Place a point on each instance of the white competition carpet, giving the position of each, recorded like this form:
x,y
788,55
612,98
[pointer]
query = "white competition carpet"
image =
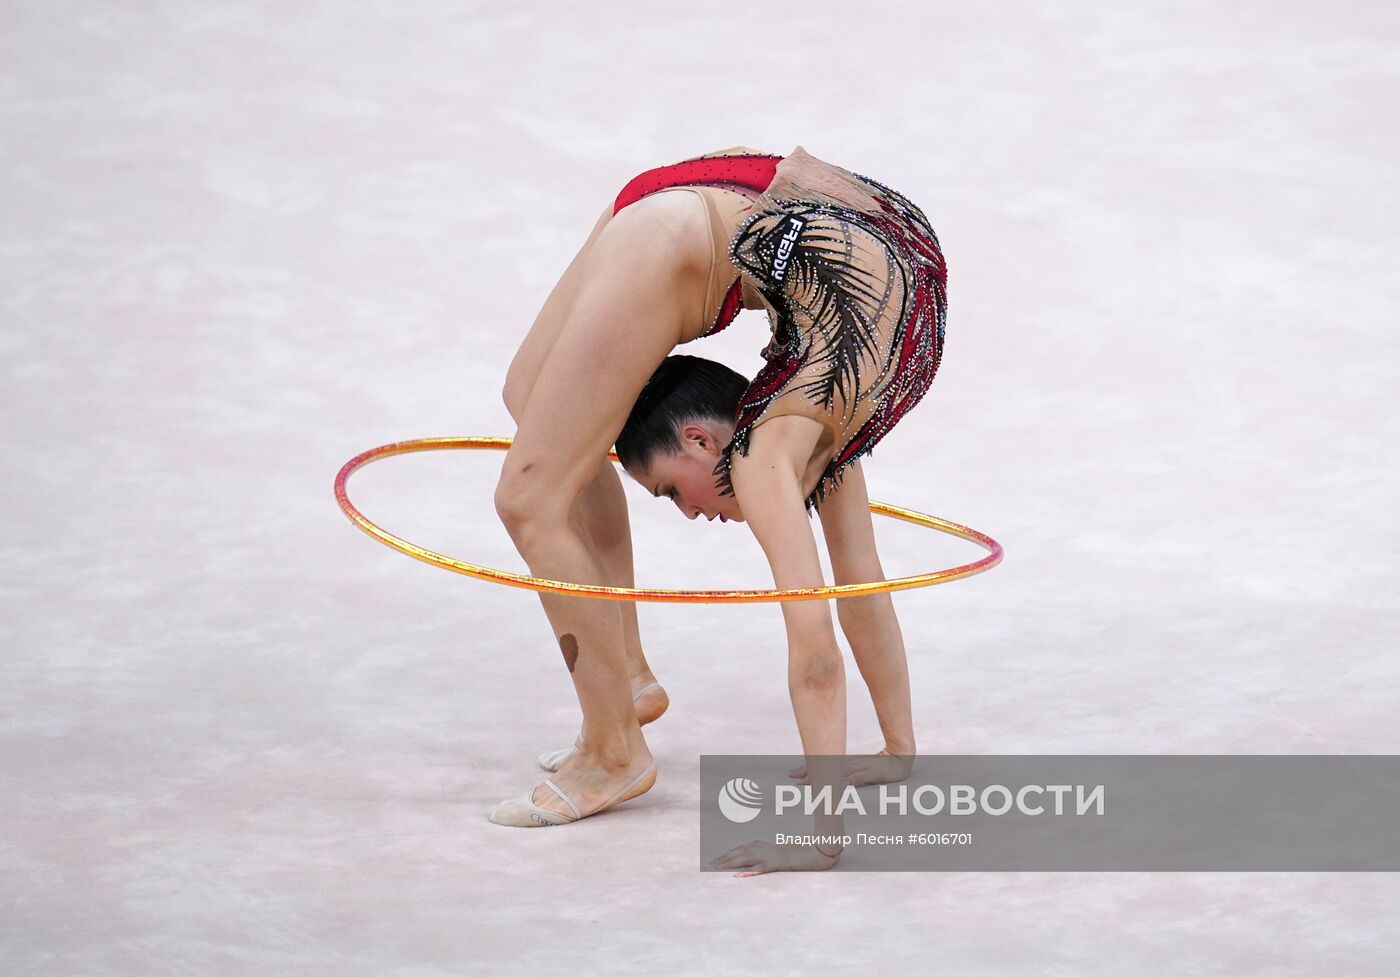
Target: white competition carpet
x,y
242,242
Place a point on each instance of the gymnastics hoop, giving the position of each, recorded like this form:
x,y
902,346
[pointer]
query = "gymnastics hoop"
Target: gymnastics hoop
x,y
992,558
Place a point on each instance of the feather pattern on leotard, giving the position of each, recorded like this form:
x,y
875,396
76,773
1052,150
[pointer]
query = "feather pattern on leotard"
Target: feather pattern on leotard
x,y
827,286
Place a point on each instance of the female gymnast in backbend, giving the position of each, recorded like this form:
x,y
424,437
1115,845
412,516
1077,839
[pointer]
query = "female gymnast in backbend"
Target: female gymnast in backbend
x,y
853,280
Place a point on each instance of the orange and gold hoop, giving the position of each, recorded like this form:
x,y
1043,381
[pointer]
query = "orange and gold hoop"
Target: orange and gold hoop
x,y
992,547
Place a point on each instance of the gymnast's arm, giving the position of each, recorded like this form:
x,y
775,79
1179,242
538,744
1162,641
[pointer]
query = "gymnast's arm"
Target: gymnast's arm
x,y
767,482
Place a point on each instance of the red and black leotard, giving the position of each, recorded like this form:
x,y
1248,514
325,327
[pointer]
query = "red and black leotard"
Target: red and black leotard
x,y
752,172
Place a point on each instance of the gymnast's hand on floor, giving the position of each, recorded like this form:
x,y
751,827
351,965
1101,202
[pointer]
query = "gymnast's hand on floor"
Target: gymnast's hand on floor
x,y
877,768
759,857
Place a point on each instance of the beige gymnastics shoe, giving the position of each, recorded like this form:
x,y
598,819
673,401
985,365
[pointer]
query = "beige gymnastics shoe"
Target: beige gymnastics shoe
x,y
523,812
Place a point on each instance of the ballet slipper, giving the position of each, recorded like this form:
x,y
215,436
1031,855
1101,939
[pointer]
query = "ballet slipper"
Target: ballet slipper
x,y
523,812
555,759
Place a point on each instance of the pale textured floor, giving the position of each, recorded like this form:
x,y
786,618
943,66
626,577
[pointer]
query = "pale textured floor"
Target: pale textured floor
x,y
242,243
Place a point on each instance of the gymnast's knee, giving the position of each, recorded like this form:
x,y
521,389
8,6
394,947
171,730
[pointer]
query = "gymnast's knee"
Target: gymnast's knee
x,y
528,508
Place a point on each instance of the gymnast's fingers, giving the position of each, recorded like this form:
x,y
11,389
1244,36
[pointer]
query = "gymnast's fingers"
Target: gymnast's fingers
x,y
742,855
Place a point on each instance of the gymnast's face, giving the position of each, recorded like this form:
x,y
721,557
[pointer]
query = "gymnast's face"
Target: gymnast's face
x,y
688,478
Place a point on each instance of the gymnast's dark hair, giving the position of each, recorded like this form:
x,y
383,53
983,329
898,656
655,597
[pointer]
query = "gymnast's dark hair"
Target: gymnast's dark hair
x,y
683,389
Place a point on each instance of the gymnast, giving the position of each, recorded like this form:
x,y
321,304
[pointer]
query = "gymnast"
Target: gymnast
x,y
853,281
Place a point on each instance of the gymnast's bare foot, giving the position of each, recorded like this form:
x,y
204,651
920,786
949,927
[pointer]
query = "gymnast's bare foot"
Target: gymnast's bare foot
x,y
650,701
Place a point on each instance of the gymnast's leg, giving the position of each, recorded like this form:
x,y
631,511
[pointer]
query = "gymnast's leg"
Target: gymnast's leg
x,y
583,393
601,511
602,505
